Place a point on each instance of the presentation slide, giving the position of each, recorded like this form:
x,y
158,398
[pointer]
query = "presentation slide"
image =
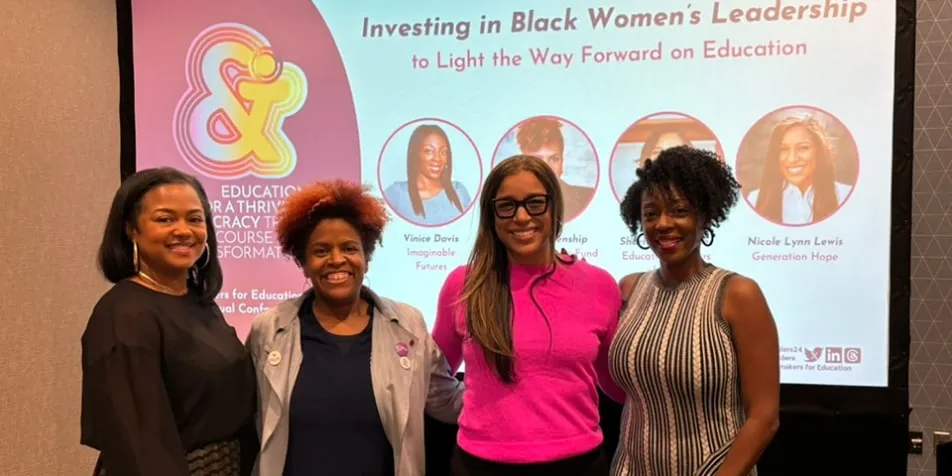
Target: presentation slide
x,y
420,100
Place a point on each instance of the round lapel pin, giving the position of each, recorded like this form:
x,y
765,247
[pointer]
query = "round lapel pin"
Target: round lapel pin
x,y
274,357
405,362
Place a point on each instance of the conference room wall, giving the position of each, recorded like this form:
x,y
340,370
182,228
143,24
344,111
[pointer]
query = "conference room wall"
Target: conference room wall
x,y
930,367
59,134
59,143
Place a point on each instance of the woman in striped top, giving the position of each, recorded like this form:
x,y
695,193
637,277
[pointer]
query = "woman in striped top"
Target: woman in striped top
x,y
696,349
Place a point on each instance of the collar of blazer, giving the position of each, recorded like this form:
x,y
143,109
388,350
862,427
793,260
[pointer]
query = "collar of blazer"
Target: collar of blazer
x,y
287,312
278,343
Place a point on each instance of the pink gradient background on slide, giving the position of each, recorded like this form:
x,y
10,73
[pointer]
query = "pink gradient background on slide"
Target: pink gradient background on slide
x,y
319,126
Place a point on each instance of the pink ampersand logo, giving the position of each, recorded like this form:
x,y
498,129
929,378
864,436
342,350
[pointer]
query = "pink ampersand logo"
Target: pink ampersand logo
x,y
229,123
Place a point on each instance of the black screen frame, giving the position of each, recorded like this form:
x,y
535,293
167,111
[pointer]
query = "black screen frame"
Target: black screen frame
x,y
892,400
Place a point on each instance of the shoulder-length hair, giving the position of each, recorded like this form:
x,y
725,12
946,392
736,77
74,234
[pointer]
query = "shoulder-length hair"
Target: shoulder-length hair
x,y
486,288
651,143
414,147
116,260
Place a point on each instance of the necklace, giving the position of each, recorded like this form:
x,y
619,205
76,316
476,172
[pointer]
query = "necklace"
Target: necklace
x,y
159,285
357,311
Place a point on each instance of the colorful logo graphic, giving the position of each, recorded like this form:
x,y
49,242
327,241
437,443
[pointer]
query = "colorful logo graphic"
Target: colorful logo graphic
x,y
230,121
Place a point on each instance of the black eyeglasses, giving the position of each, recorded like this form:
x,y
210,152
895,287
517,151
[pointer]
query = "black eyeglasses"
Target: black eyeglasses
x,y
507,207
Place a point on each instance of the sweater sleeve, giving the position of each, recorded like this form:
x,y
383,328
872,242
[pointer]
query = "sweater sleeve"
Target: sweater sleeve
x,y
612,298
126,410
445,333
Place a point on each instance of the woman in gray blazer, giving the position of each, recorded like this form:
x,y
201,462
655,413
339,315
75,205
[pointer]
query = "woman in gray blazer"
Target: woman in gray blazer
x,y
344,375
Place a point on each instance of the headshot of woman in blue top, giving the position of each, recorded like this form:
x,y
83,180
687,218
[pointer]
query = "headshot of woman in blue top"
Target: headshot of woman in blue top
x,y
429,196
798,185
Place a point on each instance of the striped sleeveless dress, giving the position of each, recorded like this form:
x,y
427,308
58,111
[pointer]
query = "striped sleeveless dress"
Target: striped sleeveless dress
x,y
673,356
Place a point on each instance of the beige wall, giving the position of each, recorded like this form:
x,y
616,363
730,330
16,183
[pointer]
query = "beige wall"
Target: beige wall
x,y
59,143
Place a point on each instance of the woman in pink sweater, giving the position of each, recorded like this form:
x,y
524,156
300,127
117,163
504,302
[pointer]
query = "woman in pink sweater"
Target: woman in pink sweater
x,y
533,327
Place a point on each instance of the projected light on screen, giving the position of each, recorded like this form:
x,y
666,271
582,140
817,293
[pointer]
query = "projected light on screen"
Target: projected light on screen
x,y
256,99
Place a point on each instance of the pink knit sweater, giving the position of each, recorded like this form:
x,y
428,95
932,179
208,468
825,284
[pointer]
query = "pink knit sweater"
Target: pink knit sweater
x,y
550,412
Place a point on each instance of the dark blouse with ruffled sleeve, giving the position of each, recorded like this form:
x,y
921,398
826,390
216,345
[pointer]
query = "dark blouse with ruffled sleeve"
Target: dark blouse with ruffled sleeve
x,y
163,375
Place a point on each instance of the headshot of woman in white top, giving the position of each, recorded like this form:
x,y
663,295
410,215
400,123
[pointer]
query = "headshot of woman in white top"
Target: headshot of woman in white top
x,y
660,140
645,138
804,177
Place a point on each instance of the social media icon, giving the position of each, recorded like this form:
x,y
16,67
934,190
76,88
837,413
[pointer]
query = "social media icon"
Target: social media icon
x,y
834,355
853,355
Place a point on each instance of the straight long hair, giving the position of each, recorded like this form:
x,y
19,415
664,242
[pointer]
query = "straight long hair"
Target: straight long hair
x,y
414,147
486,289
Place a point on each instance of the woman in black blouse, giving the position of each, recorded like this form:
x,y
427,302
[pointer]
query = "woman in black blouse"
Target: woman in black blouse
x,y
168,388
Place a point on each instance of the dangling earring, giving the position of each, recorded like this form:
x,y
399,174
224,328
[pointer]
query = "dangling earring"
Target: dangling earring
x,y
135,257
208,257
639,238
707,239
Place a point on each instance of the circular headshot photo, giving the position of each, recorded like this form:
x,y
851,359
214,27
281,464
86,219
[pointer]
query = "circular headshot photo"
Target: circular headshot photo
x,y
568,151
429,172
647,137
797,166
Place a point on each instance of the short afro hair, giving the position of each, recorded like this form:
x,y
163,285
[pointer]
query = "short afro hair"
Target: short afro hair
x,y
700,176
539,132
346,200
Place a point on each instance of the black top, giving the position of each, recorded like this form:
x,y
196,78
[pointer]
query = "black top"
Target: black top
x,y
335,425
163,375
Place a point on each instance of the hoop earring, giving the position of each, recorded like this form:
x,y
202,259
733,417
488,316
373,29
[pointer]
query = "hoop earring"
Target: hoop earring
x,y
135,257
208,257
639,238
707,239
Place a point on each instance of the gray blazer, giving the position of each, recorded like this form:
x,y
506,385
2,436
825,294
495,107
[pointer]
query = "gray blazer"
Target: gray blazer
x,y
403,388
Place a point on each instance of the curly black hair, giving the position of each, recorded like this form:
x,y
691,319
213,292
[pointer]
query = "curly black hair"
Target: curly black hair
x,y
700,176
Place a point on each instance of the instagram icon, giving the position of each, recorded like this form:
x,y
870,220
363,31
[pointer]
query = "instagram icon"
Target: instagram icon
x,y
852,355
